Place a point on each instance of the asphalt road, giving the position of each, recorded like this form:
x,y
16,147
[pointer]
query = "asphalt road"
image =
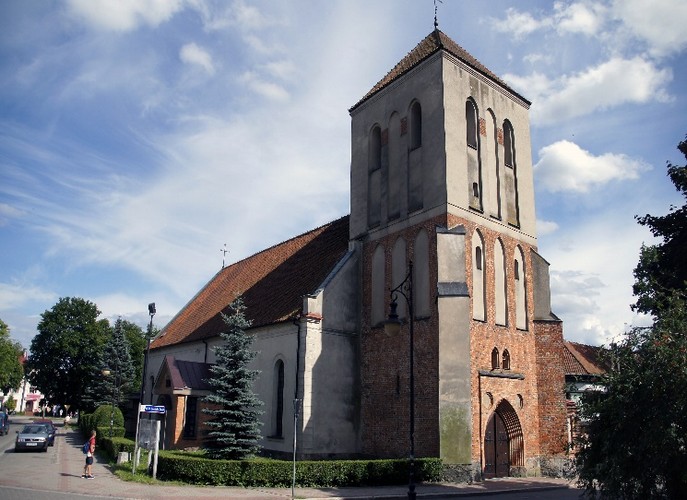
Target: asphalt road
x,y
56,475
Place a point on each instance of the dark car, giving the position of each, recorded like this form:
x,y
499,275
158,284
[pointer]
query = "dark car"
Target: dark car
x,y
32,437
52,430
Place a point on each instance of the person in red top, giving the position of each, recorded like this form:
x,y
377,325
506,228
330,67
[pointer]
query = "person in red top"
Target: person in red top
x,y
87,471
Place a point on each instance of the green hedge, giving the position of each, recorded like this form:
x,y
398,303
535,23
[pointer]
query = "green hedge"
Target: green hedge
x,y
100,421
113,446
195,469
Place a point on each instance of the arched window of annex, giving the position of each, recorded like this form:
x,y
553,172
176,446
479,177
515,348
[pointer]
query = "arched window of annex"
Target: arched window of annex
x,y
505,360
421,299
395,172
492,175
374,177
399,271
510,175
473,155
495,365
519,275
377,285
278,400
415,177
500,285
478,290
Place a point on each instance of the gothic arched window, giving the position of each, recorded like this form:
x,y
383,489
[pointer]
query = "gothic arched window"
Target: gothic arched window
x,y
495,365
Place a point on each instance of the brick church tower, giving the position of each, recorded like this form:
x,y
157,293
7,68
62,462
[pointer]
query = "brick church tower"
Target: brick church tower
x,y
441,175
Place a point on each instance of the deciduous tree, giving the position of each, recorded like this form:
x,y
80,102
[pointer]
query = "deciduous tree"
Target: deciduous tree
x,y
11,370
65,352
662,267
636,444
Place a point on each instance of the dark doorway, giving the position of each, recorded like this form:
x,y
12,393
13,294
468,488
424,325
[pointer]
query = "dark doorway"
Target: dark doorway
x,y
496,449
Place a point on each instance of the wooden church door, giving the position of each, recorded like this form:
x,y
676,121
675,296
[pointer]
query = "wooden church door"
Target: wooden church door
x,y
496,448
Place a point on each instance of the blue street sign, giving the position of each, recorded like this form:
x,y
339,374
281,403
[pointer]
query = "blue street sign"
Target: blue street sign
x,y
154,409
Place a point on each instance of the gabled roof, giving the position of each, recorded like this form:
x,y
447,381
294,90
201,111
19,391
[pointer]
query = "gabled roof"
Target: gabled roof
x,y
187,374
432,43
582,359
272,282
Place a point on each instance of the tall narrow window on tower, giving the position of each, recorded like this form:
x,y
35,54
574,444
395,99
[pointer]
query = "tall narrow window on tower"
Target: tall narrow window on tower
x,y
473,155
374,177
509,161
520,291
479,306
500,295
471,122
415,126
415,177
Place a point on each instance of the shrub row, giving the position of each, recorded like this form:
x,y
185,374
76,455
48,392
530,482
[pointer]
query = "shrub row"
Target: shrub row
x,y
195,469
113,446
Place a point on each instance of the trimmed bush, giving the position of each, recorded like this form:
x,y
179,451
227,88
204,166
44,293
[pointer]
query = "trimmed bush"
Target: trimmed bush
x,y
104,413
113,446
195,468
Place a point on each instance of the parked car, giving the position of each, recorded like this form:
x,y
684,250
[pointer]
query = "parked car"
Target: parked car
x,y
32,437
52,430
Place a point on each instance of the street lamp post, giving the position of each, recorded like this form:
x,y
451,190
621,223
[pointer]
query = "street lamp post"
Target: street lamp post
x,y
115,391
392,327
151,311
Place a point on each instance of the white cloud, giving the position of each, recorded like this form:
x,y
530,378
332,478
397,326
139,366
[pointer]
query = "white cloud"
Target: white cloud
x,y
8,212
518,24
193,54
125,15
610,84
283,69
271,90
564,166
660,23
579,17
16,295
538,57
591,275
545,227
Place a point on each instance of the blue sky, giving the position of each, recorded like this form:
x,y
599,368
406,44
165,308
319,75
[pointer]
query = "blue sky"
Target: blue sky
x,y
138,137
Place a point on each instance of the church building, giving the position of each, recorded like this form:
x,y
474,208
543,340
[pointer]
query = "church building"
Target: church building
x,y
442,212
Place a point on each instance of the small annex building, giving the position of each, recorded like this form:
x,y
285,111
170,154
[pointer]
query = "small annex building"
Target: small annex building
x,y
585,366
441,176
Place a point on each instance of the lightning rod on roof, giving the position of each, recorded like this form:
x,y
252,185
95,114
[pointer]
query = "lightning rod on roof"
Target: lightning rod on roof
x,y
224,253
436,21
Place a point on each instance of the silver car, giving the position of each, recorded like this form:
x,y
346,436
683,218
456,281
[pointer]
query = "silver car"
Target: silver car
x,y
32,437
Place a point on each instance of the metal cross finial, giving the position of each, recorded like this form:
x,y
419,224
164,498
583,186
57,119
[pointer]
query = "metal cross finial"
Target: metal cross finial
x,y
224,253
436,22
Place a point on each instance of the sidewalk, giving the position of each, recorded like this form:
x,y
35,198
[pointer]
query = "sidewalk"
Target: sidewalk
x,y
67,466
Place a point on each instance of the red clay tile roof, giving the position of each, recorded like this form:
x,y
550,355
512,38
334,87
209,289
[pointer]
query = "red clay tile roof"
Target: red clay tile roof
x,y
272,282
581,359
432,43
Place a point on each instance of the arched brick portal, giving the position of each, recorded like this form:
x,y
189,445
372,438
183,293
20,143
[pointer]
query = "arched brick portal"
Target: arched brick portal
x,y
503,442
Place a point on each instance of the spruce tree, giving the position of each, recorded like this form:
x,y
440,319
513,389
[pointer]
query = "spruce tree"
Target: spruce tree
x,y
115,357
232,405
